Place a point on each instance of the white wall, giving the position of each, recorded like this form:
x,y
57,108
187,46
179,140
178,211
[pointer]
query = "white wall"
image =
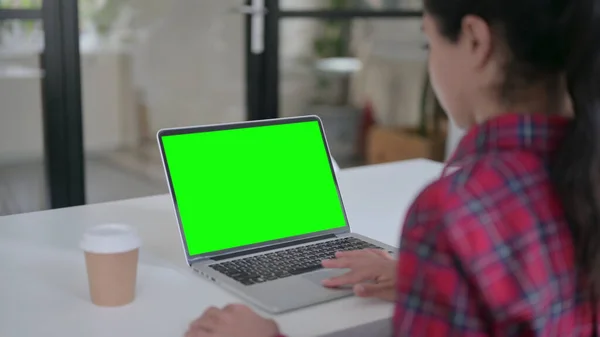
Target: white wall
x,y
454,137
21,135
192,64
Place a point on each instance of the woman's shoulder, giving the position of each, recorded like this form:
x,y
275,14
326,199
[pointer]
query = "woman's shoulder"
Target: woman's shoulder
x,y
487,203
490,183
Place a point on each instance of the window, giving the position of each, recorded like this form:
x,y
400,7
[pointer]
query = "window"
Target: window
x,y
96,18
20,4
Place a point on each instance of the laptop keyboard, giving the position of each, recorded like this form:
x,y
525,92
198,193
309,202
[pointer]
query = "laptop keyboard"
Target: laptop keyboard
x,y
285,263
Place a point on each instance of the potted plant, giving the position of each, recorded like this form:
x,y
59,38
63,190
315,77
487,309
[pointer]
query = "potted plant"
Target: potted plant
x,y
105,15
20,30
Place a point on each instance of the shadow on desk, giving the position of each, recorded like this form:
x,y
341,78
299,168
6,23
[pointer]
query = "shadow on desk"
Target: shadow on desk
x,y
382,328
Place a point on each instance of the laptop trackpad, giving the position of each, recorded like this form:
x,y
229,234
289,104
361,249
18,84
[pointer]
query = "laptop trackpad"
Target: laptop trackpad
x,y
319,276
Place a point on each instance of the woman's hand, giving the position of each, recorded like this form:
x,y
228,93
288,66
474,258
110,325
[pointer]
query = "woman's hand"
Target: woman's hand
x,y
372,273
234,320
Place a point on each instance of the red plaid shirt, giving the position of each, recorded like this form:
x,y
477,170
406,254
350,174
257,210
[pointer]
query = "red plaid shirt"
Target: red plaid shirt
x,y
485,250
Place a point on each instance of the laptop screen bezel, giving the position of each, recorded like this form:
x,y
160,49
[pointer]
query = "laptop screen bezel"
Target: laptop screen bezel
x,y
240,125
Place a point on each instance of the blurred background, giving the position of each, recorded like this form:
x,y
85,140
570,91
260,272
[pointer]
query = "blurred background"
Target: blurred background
x,y
85,85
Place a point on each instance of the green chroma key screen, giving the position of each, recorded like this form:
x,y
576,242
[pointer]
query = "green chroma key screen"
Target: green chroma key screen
x,y
244,186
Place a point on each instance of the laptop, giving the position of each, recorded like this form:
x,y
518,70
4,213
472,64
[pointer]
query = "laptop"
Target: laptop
x,y
259,208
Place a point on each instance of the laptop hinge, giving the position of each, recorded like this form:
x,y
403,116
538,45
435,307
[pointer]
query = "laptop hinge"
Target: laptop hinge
x,y
272,247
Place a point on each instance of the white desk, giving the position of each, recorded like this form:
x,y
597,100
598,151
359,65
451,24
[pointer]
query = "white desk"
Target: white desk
x,y
43,289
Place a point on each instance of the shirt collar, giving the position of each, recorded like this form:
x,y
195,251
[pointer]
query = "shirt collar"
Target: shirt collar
x,y
536,133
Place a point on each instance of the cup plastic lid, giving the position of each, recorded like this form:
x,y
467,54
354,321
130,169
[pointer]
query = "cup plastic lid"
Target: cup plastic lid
x,y
110,239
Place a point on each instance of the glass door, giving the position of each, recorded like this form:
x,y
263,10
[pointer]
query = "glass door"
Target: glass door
x,y
347,61
153,64
40,132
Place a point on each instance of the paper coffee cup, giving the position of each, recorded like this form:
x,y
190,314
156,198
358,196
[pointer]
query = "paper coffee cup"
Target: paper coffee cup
x,y
111,256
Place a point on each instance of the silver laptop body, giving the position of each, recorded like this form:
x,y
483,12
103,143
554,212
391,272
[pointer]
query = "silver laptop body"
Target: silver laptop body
x,y
278,295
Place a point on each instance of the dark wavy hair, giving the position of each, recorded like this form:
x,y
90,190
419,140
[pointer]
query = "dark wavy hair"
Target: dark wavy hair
x,y
553,39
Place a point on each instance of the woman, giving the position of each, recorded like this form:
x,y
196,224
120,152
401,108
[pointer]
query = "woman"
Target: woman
x,y
507,241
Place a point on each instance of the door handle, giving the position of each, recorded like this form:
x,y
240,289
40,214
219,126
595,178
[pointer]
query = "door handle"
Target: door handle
x,y
257,12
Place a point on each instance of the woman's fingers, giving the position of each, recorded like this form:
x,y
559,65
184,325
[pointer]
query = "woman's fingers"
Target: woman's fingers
x,y
384,291
350,259
364,265
350,278
370,289
382,253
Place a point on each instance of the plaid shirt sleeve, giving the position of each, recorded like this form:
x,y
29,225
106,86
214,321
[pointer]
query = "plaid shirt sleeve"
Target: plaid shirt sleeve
x,y
435,297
